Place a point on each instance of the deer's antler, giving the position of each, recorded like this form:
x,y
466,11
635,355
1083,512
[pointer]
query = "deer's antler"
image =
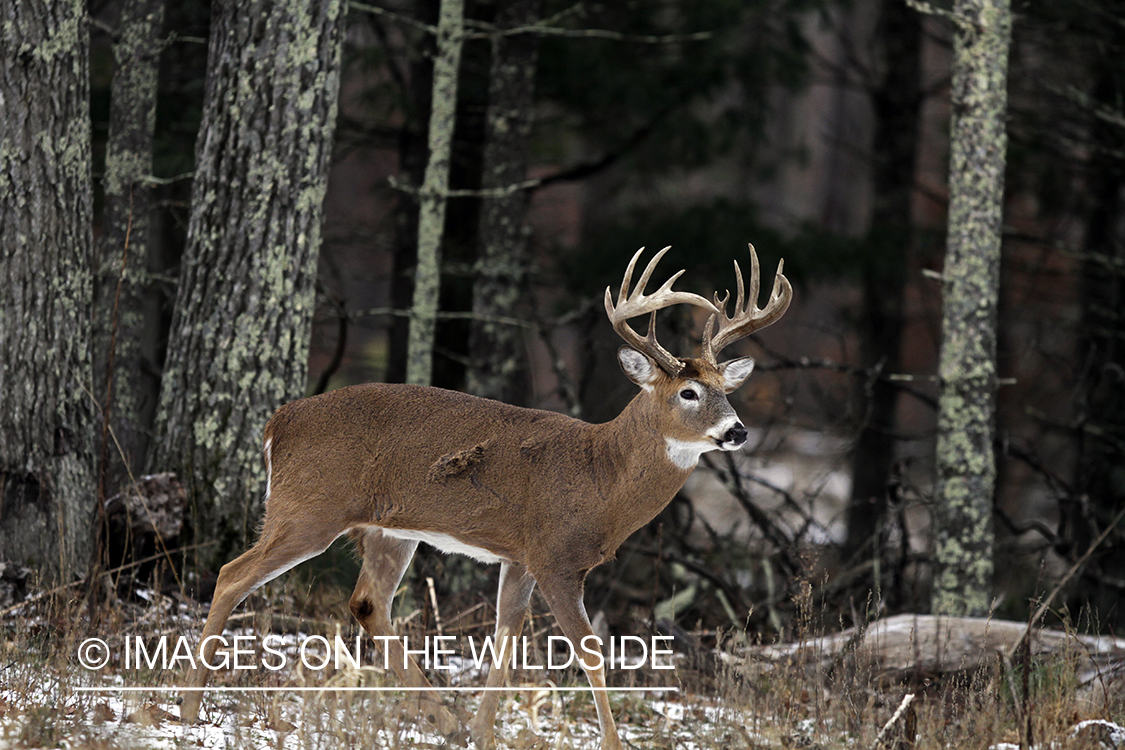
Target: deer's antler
x,y
747,318
632,304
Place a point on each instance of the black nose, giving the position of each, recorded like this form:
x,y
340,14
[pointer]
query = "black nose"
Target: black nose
x,y
736,434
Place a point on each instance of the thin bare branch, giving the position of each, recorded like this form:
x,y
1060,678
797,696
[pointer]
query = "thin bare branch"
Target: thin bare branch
x,y
393,16
931,10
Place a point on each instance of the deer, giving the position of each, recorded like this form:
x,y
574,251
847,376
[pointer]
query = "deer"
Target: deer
x,y
545,495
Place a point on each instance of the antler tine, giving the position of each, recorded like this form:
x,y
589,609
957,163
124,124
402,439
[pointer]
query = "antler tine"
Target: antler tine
x,y
755,281
747,317
710,325
631,303
650,267
625,282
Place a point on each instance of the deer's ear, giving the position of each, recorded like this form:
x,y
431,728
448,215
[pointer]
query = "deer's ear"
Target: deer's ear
x,y
640,369
735,372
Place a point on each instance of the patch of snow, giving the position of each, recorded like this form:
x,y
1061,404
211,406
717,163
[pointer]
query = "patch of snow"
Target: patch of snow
x,y
1111,735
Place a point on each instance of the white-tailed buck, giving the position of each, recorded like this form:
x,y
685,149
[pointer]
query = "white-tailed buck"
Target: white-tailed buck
x,y
546,496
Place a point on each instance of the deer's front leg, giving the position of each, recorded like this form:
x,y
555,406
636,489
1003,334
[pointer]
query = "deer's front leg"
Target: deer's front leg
x,y
564,595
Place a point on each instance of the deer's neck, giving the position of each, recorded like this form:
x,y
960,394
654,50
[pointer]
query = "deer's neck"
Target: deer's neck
x,y
641,475
635,476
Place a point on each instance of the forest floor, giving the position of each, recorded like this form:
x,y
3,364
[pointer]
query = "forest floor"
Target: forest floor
x,y
55,691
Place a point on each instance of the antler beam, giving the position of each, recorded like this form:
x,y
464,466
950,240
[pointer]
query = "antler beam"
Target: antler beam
x,y
747,317
631,304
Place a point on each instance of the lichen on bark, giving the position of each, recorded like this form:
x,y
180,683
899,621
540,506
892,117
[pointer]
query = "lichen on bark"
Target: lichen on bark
x,y
966,467
432,199
121,277
496,346
46,211
239,342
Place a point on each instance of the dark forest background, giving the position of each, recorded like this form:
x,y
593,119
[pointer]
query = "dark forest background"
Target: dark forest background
x,y
818,130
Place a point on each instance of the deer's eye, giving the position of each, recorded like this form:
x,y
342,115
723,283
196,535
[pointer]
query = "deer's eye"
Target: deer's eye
x,y
688,394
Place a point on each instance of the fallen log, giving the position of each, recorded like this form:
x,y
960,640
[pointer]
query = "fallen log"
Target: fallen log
x,y
903,645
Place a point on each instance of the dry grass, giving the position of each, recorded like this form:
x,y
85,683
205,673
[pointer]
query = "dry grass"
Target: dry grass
x,y
785,706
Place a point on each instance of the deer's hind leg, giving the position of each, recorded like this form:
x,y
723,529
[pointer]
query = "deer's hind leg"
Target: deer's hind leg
x,y
281,547
385,560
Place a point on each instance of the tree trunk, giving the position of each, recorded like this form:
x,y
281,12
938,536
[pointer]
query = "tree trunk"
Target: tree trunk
x,y
412,155
433,198
239,342
1100,480
122,277
46,247
496,348
966,465
896,105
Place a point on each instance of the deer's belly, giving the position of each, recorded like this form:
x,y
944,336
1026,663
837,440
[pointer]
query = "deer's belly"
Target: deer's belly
x,y
445,543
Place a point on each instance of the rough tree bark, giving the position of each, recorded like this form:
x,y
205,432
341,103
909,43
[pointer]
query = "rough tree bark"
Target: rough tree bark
x,y
239,342
433,198
496,348
966,465
121,278
46,248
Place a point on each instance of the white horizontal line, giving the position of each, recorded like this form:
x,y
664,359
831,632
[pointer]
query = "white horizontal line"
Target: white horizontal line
x,y
455,689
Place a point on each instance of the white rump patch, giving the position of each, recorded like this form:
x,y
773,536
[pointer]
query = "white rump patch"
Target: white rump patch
x,y
685,454
445,543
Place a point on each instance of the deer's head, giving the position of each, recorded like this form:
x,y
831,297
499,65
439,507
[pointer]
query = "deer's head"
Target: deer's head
x,y
689,396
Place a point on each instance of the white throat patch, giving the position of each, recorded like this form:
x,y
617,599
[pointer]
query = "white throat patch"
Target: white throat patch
x,y
685,454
